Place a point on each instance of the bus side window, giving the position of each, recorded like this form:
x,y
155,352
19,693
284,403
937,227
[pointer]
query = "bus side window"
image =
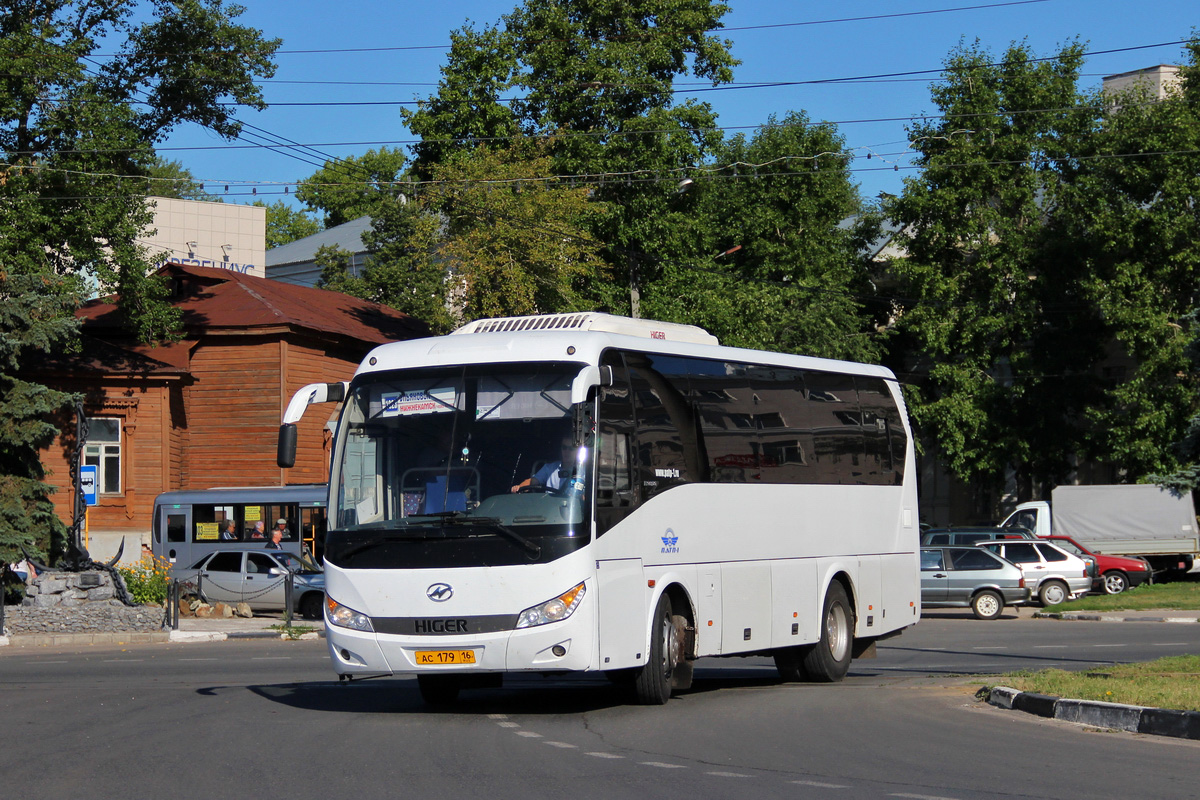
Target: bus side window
x,y
670,445
616,492
836,426
176,528
614,471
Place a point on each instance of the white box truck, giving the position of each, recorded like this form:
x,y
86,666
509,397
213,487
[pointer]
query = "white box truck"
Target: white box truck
x,y
1126,520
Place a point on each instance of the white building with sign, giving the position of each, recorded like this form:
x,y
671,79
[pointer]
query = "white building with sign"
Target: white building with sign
x,y
203,234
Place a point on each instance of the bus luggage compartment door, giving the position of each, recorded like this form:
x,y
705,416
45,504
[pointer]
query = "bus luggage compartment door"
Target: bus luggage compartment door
x,y
621,591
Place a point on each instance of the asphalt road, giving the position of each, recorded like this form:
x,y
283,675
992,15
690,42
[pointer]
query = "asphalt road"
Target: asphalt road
x,y
266,719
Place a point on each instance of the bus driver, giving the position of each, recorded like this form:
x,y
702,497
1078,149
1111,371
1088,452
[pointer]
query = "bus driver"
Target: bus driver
x,y
554,474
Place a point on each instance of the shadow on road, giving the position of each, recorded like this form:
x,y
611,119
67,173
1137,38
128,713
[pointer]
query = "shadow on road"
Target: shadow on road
x,y
532,695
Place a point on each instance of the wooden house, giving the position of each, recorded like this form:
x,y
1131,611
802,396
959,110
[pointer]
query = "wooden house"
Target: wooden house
x,y
205,411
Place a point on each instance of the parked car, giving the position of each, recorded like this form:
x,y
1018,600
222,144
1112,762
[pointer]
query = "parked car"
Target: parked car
x,y
970,577
971,535
1114,574
257,578
1053,574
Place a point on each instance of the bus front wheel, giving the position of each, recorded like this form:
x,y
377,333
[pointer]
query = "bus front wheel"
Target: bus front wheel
x,y
657,677
829,658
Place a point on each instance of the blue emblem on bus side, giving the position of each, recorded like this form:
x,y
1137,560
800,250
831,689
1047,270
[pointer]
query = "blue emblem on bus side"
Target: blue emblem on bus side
x,y
439,592
670,542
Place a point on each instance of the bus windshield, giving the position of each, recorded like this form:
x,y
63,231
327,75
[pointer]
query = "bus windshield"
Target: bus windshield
x,y
460,466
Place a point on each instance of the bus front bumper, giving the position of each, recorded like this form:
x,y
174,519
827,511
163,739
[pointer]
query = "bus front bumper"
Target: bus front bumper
x,y
563,645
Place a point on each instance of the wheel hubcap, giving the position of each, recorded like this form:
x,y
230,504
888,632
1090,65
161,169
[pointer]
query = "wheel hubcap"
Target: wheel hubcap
x,y
670,646
987,605
837,633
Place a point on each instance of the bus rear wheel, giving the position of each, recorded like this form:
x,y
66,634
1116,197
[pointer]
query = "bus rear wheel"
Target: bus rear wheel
x,y
658,676
829,658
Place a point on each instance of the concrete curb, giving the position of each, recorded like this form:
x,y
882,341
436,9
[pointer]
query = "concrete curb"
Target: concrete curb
x,y
1115,716
1069,615
130,637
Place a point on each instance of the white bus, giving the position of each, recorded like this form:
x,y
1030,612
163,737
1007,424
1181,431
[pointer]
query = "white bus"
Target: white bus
x,y
710,501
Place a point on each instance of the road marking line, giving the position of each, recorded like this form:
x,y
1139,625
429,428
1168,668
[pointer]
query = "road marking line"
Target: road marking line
x,y
728,775
509,724
562,745
661,765
123,660
529,734
1169,644
603,755
820,785
497,716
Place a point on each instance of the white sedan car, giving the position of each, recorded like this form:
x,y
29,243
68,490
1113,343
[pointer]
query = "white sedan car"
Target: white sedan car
x,y
1052,574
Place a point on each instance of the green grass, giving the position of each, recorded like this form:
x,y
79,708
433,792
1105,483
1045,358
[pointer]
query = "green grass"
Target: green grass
x,y
1179,595
292,631
1172,682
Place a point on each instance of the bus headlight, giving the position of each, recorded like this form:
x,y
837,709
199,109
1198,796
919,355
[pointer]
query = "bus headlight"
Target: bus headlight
x,y
554,610
344,617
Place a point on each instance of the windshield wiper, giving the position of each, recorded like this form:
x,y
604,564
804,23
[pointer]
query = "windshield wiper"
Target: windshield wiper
x,y
530,546
372,543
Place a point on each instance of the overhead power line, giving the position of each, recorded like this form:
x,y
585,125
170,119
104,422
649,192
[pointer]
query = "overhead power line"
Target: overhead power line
x,y
656,32
737,171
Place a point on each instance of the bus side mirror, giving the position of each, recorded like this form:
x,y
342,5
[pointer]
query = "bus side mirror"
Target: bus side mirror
x,y
285,454
588,377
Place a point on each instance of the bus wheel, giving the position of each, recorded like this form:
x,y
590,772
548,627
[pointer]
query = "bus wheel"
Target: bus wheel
x,y
829,659
438,690
654,680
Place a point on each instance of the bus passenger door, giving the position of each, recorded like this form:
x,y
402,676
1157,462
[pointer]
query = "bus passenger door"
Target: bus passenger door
x,y
621,592
174,526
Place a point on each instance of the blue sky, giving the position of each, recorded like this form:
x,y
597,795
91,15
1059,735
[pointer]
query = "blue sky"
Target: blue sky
x,y
776,42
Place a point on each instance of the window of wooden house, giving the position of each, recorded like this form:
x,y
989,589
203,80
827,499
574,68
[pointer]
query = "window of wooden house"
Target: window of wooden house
x,y
103,451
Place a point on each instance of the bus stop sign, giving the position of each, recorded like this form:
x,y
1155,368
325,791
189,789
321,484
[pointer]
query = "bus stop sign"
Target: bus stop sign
x,y
87,484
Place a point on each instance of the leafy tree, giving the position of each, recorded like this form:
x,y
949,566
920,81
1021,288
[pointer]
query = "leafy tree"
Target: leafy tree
x,y
286,224
598,77
349,188
1048,255
491,235
78,134
779,268
1142,240
172,179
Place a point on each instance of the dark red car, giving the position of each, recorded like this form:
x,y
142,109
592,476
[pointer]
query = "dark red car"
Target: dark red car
x,y
1114,574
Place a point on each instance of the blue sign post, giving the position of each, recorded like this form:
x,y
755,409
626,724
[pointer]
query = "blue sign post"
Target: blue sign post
x,y
87,484
87,487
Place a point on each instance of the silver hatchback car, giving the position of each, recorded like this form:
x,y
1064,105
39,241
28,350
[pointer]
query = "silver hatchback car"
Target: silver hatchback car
x,y
970,577
257,578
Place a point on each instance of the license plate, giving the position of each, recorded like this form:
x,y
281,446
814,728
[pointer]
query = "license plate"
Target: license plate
x,y
445,656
